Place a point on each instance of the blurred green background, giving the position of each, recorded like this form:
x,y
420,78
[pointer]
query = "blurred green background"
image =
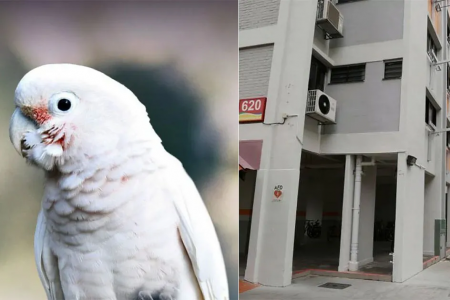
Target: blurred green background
x,y
179,58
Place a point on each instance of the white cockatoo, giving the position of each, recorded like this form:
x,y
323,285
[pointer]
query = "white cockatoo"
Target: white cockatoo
x,y
120,217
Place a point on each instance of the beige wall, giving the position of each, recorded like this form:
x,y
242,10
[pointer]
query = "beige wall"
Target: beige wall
x,y
21,188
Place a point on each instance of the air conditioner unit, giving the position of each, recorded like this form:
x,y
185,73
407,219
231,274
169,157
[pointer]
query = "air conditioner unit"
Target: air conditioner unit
x,y
329,19
321,107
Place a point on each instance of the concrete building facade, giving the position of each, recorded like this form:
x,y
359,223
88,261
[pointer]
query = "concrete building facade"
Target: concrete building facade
x,y
381,158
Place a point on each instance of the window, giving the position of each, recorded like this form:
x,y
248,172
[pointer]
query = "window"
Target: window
x,y
353,73
393,69
448,139
430,43
431,47
430,113
317,74
448,78
448,36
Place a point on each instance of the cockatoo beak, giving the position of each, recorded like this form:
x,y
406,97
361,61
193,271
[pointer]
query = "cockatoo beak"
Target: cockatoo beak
x,y
18,126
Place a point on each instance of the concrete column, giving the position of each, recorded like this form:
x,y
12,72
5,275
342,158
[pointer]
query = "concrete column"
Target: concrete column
x,y
367,216
271,244
443,147
435,186
347,203
408,249
272,231
353,263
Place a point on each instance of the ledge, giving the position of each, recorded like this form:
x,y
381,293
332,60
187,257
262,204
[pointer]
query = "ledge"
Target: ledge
x,y
432,97
257,37
357,143
322,57
366,53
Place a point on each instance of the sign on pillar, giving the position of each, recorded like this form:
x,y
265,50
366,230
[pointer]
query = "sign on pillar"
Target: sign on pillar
x,y
277,193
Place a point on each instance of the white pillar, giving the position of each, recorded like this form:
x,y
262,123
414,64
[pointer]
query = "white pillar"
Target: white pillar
x,y
408,249
367,216
353,263
271,244
272,231
441,147
347,204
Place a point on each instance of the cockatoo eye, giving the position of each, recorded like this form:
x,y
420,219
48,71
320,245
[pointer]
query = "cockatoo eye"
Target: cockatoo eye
x,y
62,103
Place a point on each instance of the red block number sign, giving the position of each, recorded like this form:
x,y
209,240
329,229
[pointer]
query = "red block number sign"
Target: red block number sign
x,y
252,110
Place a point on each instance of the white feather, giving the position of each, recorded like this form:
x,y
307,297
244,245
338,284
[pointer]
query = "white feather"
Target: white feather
x,y
197,232
46,262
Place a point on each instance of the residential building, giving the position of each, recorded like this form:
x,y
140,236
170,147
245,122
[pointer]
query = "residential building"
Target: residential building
x,y
343,111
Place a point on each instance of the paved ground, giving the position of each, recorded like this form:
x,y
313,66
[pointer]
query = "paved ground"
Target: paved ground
x,y
431,284
325,255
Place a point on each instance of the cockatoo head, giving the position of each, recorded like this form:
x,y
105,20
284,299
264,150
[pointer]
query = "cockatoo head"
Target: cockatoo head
x,y
66,112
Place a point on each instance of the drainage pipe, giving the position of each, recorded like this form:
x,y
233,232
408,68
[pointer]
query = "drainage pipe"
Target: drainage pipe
x,y
353,263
